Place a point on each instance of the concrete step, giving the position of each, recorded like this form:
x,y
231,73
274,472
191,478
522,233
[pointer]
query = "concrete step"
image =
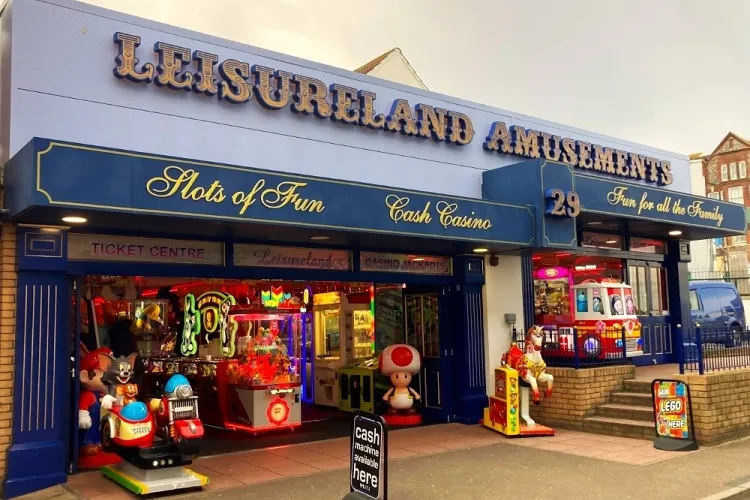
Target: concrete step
x,y
639,386
631,399
620,427
637,413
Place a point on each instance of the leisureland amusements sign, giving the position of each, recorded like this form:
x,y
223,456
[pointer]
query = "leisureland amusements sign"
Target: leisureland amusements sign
x,y
237,82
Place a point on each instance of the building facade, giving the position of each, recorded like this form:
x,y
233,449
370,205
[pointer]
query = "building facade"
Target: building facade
x,y
138,151
726,178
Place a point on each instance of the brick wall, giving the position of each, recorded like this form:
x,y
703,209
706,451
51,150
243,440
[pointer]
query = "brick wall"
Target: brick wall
x,y
8,279
577,393
721,405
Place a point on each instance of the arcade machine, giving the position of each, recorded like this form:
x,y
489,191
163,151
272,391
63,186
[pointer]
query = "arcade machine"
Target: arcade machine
x,y
155,442
357,379
343,332
261,390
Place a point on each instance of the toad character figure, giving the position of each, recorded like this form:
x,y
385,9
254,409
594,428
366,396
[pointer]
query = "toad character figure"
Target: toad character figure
x,y
400,362
90,454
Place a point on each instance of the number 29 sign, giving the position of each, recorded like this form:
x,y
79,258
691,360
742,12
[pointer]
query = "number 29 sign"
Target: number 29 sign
x,y
562,204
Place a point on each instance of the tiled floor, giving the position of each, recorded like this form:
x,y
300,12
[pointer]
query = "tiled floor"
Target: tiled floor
x,y
228,471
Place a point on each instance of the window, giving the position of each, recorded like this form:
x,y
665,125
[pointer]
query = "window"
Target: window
x,y
736,196
739,240
659,291
716,195
733,171
724,173
743,170
694,304
637,280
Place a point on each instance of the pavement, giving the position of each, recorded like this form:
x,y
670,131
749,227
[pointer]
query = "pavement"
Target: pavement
x,y
454,461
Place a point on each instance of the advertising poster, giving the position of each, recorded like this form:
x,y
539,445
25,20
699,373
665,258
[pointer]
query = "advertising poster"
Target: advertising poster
x,y
673,416
671,409
389,316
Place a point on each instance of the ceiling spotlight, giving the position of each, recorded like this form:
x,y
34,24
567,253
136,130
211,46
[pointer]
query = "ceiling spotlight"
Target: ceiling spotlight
x,y
481,250
418,259
676,232
610,242
74,219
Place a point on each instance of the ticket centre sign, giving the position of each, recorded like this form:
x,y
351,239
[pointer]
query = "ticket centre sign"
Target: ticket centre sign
x,y
92,247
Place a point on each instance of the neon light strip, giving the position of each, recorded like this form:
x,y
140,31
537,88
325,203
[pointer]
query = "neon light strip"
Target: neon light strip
x,y
372,315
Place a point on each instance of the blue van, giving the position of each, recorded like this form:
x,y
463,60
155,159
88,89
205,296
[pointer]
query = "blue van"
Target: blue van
x,y
718,308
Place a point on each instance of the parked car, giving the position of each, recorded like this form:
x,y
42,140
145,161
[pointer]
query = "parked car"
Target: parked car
x,y
717,307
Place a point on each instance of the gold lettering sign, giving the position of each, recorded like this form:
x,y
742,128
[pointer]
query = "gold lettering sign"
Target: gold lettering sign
x,y
447,214
237,82
579,154
185,183
619,196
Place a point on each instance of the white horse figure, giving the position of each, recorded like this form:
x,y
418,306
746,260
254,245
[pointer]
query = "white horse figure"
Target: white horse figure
x,y
531,369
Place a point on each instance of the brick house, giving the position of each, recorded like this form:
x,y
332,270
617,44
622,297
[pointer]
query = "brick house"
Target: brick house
x,y
725,171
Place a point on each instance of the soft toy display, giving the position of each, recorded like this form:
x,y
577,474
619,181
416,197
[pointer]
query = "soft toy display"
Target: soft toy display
x,y
117,374
90,454
400,362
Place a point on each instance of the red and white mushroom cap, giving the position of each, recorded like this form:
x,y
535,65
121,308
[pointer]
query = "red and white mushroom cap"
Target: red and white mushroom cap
x,y
400,358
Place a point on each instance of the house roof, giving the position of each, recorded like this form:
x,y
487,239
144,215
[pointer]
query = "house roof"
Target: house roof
x,y
721,142
394,52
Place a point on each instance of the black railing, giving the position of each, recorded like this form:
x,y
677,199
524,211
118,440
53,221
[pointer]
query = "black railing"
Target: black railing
x,y
572,348
710,349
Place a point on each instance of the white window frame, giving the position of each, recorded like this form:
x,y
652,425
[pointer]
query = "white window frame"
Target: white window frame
x,y
743,170
733,171
734,197
715,195
739,240
724,173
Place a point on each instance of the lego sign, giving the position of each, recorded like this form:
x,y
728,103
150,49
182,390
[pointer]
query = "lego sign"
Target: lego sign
x,y
672,416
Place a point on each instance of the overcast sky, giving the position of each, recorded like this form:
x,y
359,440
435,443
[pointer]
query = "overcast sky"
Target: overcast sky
x,y
673,74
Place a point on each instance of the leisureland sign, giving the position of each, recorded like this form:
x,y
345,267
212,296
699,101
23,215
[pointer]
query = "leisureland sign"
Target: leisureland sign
x,y
292,257
149,184
237,82
92,247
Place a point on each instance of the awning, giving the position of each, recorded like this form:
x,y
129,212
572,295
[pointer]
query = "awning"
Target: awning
x,y
634,209
49,175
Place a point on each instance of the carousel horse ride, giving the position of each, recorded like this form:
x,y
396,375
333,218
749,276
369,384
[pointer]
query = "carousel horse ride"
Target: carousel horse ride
x,y
520,373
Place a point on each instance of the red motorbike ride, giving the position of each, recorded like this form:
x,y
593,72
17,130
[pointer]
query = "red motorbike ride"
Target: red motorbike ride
x,y
167,433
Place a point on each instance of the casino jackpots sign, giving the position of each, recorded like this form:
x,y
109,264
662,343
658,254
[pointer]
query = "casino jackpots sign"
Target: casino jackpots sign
x,y
673,416
368,470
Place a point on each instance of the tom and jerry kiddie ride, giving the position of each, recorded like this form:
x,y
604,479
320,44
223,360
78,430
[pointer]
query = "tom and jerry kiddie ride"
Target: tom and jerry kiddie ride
x,y
400,362
520,372
156,441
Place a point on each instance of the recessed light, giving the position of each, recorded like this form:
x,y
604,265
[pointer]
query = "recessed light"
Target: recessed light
x,y
74,219
418,259
676,232
594,223
610,242
481,250
320,238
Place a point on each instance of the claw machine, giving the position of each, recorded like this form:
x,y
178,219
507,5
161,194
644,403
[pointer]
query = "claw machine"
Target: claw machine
x,y
261,388
339,339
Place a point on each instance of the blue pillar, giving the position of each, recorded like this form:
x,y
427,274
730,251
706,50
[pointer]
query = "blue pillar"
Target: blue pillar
x,y
38,455
527,290
678,289
468,359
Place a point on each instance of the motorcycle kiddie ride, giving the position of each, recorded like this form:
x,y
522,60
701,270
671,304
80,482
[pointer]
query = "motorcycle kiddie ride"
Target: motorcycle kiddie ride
x,y
155,442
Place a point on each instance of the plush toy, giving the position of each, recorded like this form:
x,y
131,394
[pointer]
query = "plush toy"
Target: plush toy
x,y
90,454
400,362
